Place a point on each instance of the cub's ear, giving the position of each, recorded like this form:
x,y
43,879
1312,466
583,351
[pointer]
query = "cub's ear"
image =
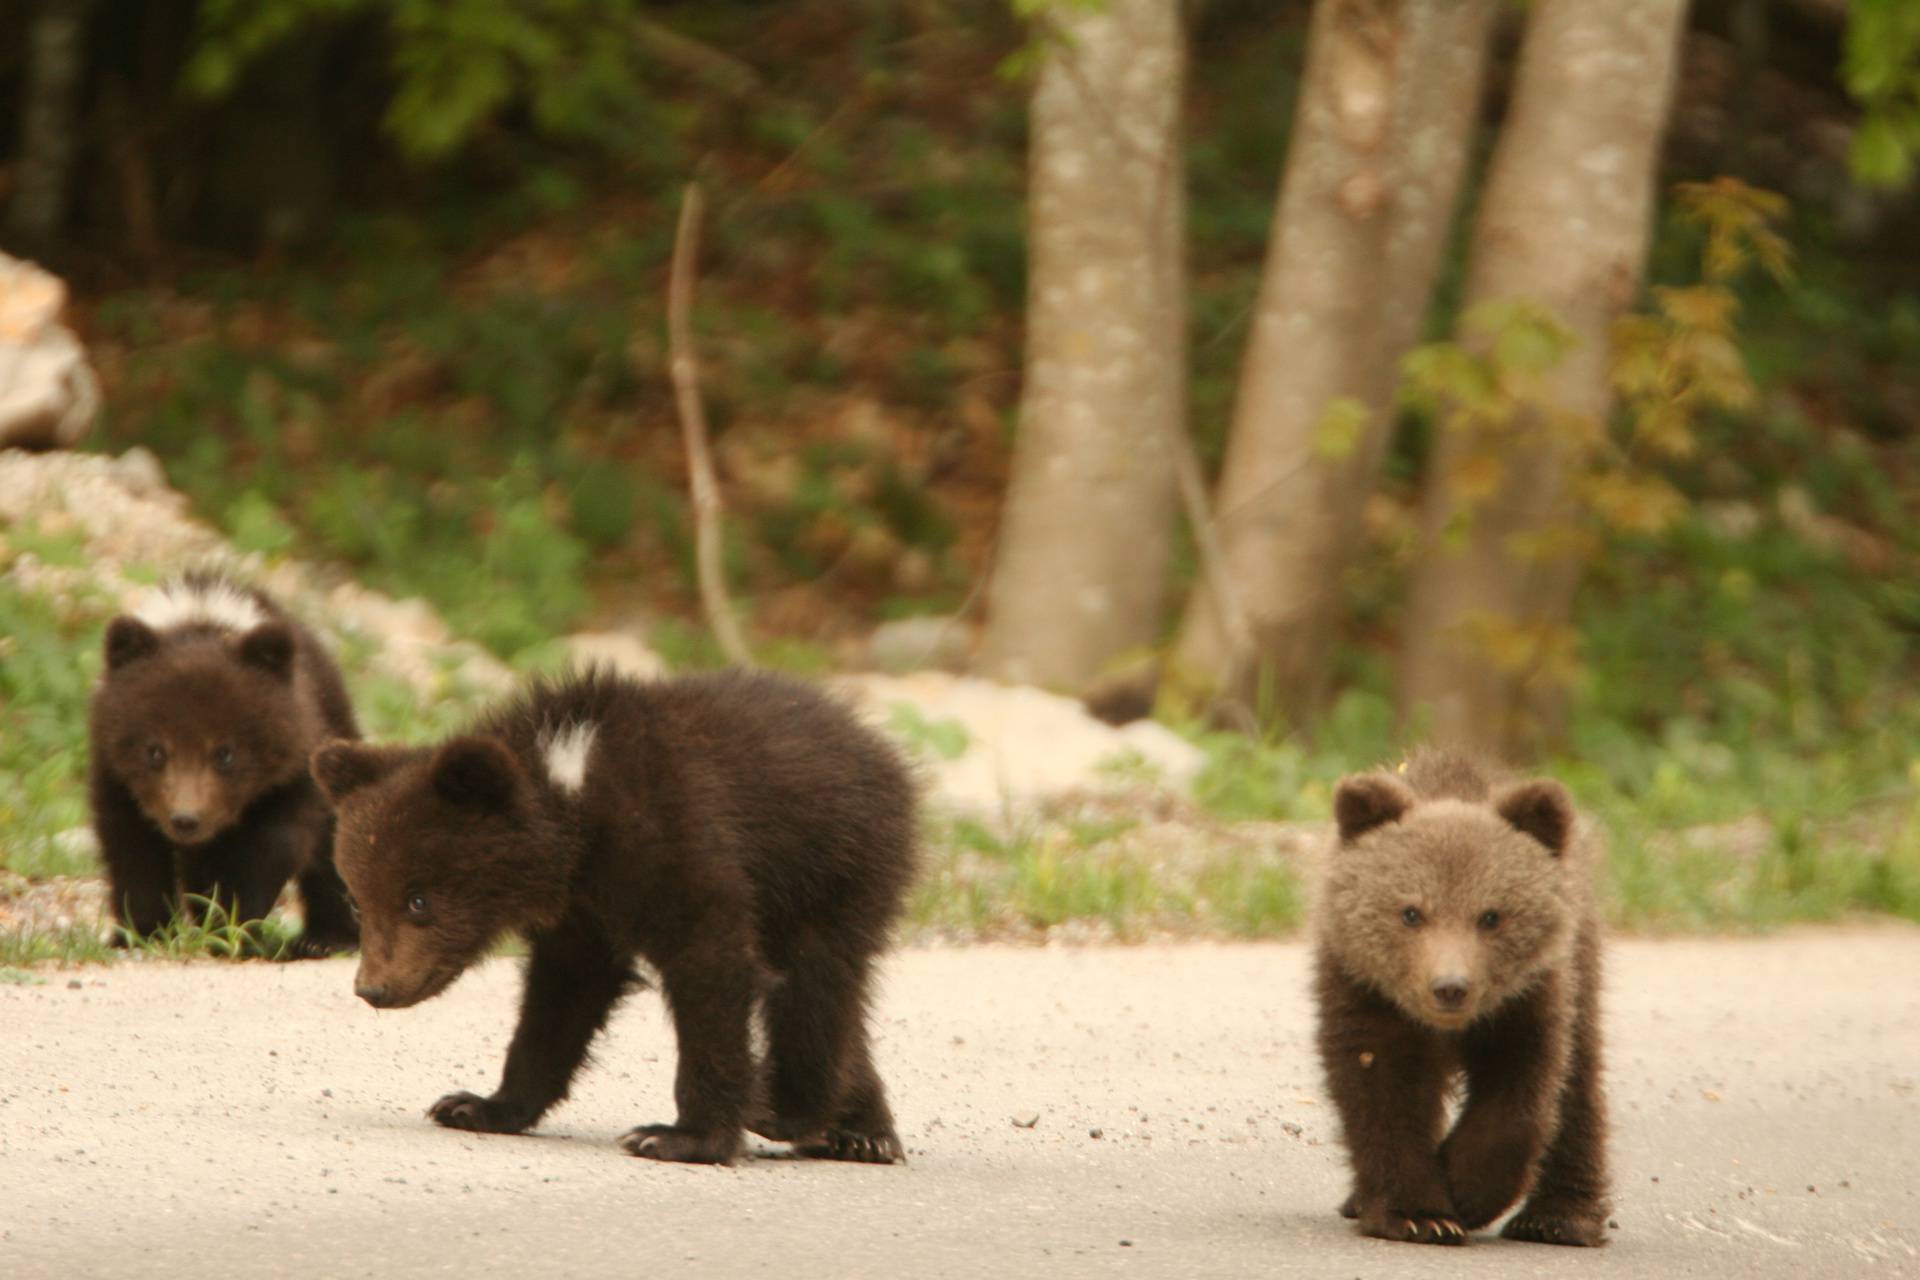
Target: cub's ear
x,y
477,773
342,767
1364,801
270,648
1541,808
129,640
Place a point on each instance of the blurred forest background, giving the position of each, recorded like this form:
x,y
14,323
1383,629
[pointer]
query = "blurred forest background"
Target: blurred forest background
x,y
1311,376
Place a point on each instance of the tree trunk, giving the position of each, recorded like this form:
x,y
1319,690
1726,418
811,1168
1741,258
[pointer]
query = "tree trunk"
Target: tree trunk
x,y
1080,573
49,131
1563,226
1388,105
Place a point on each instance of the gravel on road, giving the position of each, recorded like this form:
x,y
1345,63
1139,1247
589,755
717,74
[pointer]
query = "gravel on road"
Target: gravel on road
x,y
1150,1110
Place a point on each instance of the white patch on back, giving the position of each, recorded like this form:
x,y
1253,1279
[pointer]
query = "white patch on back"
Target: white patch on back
x,y
566,750
181,603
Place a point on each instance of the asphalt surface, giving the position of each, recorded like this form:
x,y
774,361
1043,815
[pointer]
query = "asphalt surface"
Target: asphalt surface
x,y
161,1120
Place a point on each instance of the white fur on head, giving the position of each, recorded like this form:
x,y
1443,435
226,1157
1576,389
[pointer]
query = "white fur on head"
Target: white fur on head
x,y
182,603
565,751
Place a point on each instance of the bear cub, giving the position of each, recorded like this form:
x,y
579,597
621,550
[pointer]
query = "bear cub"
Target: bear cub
x,y
210,704
742,834
1457,942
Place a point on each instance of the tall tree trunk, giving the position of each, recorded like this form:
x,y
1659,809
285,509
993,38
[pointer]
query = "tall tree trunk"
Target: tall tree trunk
x,y
49,131
1080,574
1380,142
1563,226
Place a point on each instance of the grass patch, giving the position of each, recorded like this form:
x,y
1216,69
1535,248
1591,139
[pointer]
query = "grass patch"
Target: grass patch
x,y
67,947
49,652
1113,873
214,934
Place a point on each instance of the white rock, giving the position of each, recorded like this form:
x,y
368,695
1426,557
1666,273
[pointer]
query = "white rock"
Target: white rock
x,y
1022,745
128,518
615,651
48,393
919,644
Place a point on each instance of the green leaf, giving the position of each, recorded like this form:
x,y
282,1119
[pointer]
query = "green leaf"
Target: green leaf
x,y
1880,154
1341,428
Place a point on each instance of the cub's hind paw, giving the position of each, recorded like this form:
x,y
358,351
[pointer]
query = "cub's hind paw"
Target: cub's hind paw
x,y
1552,1226
1414,1228
862,1148
666,1142
312,946
476,1114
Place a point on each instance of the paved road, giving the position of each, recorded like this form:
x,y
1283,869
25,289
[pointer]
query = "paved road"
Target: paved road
x,y
162,1120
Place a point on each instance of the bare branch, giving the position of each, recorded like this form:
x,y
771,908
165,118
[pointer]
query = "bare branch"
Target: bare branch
x,y
685,370
1235,630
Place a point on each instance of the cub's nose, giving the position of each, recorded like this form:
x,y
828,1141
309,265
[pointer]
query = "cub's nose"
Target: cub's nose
x,y
1451,993
184,824
375,996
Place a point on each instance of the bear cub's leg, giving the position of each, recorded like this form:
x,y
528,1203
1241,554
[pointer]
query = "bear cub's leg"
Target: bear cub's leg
x,y
1515,1063
1391,1097
1569,1203
573,981
822,1090
710,991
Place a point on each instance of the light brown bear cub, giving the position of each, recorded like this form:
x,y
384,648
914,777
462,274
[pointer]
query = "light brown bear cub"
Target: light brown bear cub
x,y
1458,942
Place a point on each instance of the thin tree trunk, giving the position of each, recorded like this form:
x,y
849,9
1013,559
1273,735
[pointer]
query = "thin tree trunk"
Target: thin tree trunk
x,y
1380,142
49,131
1080,574
1563,225
684,367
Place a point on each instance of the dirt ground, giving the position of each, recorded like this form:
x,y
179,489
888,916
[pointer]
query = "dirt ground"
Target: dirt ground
x,y
164,1120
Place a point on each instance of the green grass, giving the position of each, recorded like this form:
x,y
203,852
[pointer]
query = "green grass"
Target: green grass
x,y
48,656
216,938
1079,871
65,948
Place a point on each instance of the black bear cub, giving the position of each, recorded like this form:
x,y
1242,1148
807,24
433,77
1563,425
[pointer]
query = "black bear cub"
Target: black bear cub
x,y
212,700
1457,939
741,833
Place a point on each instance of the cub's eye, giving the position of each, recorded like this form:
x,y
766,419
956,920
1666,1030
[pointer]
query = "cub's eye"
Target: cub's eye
x,y
353,905
1490,920
416,905
1412,916
223,759
156,756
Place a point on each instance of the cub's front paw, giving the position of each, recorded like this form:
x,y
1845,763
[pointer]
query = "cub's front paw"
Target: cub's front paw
x,y
862,1148
669,1142
476,1114
1548,1224
1414,1226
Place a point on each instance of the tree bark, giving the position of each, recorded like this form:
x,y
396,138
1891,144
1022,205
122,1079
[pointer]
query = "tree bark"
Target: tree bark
x,y
49,130
1563,225
1080,572
1381,138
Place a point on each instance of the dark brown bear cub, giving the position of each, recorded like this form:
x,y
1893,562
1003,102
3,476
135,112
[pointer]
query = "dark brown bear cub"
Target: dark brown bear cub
x,y
211,702
742,834
1458,941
